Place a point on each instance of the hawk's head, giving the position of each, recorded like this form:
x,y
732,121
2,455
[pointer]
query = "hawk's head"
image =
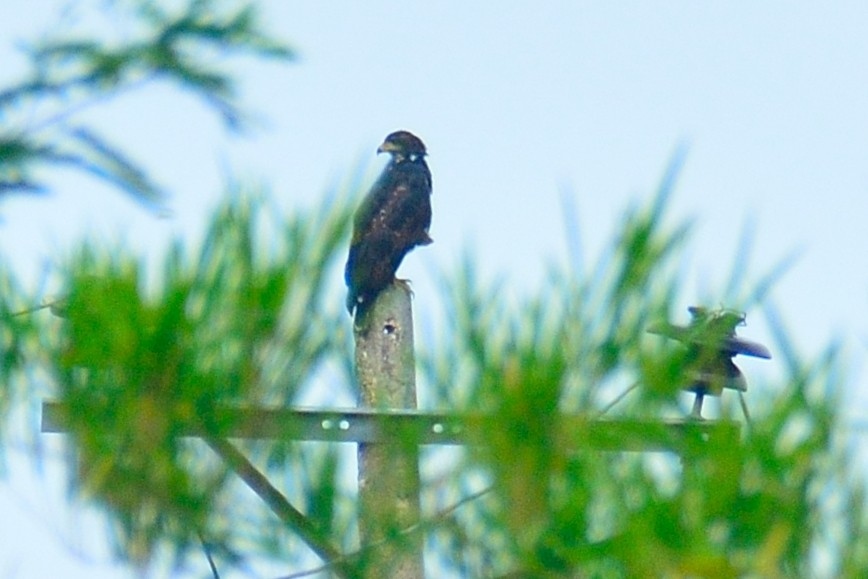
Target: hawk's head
x,y
403,144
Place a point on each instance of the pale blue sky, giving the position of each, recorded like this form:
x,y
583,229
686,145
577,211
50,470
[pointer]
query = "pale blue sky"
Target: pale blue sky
x,y
517,105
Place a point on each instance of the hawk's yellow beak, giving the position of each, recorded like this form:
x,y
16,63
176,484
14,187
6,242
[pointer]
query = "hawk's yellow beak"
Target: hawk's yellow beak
x,y
387,147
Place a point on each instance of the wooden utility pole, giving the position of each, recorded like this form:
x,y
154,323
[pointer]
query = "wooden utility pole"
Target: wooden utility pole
x,y
388,471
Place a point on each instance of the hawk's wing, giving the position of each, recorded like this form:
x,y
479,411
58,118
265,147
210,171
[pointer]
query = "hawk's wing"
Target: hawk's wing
x,y
392,220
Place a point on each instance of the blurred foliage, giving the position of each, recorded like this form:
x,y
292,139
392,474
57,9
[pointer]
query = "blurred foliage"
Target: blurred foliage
x,y
251,317
767,503
19,340
244,321
187,47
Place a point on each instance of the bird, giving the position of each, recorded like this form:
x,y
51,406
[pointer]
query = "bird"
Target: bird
x,y
393,218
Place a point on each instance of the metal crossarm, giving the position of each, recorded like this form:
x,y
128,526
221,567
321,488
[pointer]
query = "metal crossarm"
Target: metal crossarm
x,y
432,428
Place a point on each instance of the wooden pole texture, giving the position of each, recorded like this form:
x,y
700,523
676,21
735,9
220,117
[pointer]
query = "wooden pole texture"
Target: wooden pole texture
x,y
388,471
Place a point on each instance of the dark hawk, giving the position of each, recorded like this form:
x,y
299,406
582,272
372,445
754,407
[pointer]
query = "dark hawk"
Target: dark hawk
x,y
393,218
